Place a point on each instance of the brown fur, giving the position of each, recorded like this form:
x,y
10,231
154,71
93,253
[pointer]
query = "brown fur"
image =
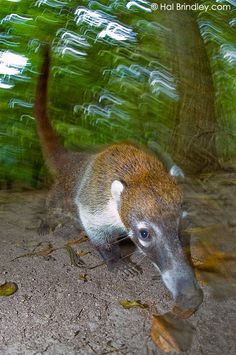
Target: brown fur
x,y
140,171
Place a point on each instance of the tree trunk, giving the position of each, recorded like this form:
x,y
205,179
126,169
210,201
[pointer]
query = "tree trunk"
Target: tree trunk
x,y
193,142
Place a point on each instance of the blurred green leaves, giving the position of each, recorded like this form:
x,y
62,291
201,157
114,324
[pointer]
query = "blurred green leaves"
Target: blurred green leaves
x,y
102,88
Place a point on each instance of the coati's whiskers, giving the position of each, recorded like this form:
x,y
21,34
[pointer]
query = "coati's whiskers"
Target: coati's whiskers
x,y
128,255
140,260
121,239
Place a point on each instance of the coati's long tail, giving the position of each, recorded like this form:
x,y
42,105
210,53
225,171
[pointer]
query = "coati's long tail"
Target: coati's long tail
x,y
51,146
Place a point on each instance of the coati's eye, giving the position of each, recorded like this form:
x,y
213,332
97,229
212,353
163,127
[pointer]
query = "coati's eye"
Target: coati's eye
x,y
144,234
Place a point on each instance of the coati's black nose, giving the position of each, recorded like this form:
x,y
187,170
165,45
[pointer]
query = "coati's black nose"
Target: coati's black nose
x,y
188,298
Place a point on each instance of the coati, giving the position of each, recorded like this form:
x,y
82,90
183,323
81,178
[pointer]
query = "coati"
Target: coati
x,y
120,190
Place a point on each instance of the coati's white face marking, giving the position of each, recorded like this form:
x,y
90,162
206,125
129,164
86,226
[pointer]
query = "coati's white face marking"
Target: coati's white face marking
x,y
141,225
157,230
170,278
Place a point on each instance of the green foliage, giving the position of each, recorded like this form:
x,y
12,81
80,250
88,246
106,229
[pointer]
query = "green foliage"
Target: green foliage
x,y
105,90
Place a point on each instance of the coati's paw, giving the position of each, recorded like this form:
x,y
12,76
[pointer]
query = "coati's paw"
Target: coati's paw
x,y
111,255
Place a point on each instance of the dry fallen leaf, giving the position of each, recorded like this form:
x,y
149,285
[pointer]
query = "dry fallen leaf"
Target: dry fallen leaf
x,y
170,333
214,262
45,251
214,258
74,257
204,231
132,304
8,288
206,257
83,277
83,238
208,201
216,270
82,253
39,250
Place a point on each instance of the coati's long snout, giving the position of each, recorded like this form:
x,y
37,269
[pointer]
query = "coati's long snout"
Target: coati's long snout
x,y
179,278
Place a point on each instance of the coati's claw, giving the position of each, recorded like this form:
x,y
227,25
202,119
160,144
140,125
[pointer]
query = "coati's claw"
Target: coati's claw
x,y
136,268
127,269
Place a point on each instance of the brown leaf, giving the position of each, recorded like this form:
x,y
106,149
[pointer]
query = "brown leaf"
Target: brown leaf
x,y
48,249
83,277
213,262
44,251
82,253
82,239
74,257
8,288
208,201
132,304
204,231
170,333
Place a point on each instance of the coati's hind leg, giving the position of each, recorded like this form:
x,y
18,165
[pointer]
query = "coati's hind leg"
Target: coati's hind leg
x,y
60,224
60,217
48,223
56,220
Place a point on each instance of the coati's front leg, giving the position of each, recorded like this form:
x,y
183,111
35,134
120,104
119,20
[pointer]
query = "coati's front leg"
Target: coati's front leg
x,y
52,210
115,262
111,254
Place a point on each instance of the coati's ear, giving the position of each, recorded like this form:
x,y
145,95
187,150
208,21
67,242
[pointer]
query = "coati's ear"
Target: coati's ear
x,y
176,171
116,189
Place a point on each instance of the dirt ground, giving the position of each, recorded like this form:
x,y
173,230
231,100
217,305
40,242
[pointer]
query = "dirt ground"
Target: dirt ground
x,y
60,308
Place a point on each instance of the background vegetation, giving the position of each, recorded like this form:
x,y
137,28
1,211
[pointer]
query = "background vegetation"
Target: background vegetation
x,y
121,70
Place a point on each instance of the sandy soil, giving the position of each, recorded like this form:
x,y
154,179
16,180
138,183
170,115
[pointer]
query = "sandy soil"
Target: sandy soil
x,y
59,310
